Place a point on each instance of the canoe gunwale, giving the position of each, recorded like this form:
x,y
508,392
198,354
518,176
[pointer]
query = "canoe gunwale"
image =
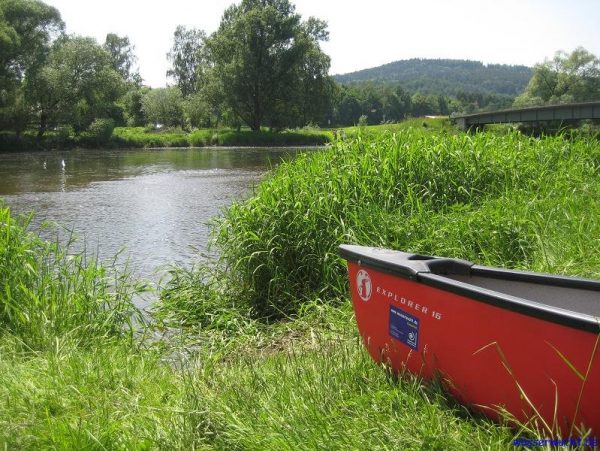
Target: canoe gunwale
x,y
432,271
516,304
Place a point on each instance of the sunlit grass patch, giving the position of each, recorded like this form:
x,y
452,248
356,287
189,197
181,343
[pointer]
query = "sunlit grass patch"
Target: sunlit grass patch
x,y
327,393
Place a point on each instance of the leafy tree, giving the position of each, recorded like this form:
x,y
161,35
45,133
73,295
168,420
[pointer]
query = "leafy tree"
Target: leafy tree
x,y
26,29
573,77
15,114
187,57
131,103
310,98
316,90
348,109
423,104
197,112
262,54
214,95
164,106
77,85
122,57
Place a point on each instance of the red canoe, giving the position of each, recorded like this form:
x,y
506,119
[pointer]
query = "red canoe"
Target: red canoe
x,y
519,342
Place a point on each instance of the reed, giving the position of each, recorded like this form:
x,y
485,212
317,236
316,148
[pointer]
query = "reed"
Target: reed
x,y
49,291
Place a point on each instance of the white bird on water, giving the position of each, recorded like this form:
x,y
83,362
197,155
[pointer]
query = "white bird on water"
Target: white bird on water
x,y
62,163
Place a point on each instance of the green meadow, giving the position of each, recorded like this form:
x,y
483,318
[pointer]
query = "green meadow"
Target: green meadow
x,y
258,349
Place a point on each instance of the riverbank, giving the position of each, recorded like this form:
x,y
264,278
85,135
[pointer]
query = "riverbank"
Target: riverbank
x,y
260,348
141,137
73,375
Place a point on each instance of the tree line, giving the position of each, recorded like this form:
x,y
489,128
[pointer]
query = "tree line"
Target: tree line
x,y
446,76
263,67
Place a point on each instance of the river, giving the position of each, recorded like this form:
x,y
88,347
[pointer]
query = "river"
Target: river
x,y
152,205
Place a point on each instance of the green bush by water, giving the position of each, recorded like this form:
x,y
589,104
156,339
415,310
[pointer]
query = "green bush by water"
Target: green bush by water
x,y
139,137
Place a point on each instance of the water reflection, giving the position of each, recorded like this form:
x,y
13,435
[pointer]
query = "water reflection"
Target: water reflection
x,y
156,203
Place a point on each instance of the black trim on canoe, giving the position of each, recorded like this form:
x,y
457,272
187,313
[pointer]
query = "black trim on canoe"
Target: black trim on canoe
x,y
439,272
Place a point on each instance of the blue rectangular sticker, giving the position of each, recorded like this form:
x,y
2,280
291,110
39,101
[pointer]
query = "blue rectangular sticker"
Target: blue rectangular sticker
x,y
404,327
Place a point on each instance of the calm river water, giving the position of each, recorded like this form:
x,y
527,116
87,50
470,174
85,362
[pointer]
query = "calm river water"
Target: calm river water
x,y
153,203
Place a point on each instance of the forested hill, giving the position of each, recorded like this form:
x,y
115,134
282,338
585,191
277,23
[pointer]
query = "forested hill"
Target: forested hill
x,y
446,76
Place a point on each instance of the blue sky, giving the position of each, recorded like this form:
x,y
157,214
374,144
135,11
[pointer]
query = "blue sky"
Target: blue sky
x,y
363,33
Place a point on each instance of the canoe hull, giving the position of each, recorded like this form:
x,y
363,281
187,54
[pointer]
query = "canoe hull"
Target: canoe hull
x,y
489,358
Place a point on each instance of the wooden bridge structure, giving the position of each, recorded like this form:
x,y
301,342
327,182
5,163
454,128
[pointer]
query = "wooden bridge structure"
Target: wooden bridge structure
x,y
563,113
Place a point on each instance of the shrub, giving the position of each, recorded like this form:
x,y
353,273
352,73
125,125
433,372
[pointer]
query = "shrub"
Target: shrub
x,y
100,131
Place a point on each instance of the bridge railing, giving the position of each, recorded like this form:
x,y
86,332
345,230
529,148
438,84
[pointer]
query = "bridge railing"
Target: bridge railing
x,y
545,113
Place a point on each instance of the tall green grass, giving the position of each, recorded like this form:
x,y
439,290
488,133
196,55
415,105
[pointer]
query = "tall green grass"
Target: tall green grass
x,y
108,395
325,392
305,384
504,200
47,291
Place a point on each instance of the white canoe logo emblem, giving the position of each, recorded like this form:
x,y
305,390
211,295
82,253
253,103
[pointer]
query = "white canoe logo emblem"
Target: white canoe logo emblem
x,y
363,284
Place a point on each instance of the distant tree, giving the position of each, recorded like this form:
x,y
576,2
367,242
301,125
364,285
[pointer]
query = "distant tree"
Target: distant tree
x,y
164,106
348,109
573,77
122,57
372,103
131,103
187,57
395,102
76,86
442,105
197,112
378,102
401,103
425,104
262,54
